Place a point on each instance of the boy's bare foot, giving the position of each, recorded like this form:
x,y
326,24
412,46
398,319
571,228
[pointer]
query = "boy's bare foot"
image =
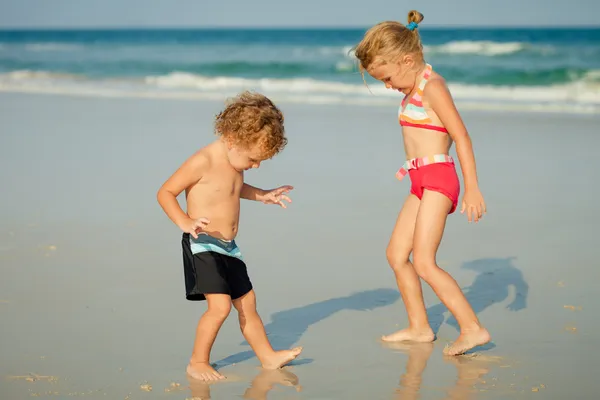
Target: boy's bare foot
x,y
467,340
203,372
410,335
279,358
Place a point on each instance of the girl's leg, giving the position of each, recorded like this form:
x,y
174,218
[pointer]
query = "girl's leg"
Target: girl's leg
x,y
398,251
429,228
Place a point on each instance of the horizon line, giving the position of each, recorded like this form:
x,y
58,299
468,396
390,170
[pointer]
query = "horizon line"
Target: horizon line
x,y
277,27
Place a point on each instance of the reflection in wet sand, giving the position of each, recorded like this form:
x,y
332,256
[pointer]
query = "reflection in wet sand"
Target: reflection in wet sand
x,y
470,371
260,386
266,380
410,380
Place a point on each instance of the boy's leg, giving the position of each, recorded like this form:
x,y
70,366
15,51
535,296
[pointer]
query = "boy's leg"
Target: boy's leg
x,y
219,306
409,284
254,332
431,221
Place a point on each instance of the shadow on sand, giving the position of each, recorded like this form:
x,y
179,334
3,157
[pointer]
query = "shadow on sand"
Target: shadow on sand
x,y
287,327
492,285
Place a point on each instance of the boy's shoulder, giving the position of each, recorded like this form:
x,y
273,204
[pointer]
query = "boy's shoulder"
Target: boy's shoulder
x,y
199,163
208,153
201,158
207,157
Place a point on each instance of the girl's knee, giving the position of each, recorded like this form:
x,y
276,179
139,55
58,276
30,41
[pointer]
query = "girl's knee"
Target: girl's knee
x,y
424,266
396,259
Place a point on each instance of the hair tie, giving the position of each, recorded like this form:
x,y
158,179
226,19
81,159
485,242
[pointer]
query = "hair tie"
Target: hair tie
x,y
412,26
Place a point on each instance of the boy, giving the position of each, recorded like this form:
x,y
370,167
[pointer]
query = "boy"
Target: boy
x,y
250,130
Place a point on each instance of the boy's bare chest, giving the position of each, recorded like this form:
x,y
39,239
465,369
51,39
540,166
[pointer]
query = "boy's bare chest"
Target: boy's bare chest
x,y
225,185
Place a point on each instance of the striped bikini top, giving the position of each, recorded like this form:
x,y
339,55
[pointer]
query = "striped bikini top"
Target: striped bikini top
x,y
414,114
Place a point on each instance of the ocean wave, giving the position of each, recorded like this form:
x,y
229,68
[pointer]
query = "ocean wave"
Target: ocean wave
x,y
489,48
43,47
53,47
181,80
344,70
582,96
457,47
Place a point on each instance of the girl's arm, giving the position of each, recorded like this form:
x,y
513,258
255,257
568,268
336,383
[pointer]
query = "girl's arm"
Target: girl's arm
x,y
440,100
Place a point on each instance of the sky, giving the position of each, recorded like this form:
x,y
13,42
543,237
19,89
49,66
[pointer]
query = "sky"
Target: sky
x,y
280,13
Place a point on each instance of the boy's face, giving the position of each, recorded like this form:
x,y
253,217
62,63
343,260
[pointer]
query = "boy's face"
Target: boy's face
x,y
243,159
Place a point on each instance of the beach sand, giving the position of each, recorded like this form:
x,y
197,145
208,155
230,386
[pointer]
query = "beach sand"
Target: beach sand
x,y
91,288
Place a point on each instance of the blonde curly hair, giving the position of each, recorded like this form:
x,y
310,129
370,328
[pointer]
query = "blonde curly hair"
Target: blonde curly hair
x,y
250,120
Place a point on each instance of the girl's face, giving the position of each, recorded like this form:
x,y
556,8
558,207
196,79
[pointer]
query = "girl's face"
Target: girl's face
x,y
398,76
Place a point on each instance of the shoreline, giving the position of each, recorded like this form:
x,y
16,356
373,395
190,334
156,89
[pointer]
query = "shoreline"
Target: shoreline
x,y
463,106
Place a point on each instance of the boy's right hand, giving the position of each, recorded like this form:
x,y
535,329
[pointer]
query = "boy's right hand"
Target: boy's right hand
x,y
193,226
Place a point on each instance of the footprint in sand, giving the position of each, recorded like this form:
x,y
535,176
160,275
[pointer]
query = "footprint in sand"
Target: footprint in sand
x,y
174,387
146,387
537,388
49,250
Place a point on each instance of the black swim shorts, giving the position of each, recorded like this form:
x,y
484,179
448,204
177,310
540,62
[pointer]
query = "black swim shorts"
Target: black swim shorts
x,y
211,266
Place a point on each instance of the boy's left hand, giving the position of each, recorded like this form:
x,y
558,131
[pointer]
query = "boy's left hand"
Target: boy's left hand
x,y
276,196
474,204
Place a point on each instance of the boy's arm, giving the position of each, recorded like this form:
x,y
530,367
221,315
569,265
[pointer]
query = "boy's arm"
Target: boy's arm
x,y
190,172
250,192
273,196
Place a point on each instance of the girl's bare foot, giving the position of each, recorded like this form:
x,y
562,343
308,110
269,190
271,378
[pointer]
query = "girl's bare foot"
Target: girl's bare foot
x,y
203,372
280,358
410,335
468,340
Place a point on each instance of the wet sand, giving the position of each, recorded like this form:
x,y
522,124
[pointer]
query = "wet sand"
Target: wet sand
x,y
91,287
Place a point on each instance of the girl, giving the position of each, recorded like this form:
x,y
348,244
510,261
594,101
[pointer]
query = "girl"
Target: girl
x,y
393,53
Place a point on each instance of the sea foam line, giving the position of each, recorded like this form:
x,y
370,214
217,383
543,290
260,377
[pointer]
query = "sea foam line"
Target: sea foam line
x,y
578,97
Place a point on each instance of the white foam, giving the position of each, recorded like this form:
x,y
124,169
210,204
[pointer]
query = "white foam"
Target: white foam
x,y
26,75
42,47
52,47
483,47
578,97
